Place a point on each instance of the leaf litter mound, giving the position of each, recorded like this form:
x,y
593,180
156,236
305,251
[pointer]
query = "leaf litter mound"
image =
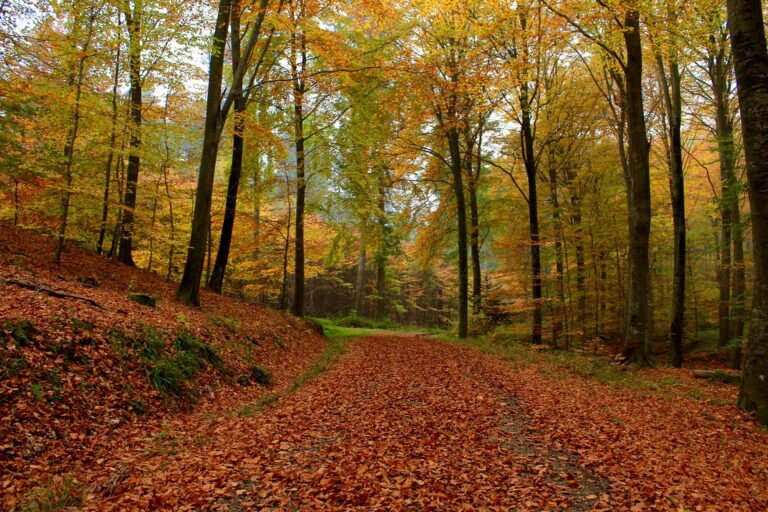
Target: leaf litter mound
x,y
78,386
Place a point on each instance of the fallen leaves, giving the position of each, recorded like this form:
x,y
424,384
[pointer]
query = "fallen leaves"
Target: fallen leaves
x,y
71,401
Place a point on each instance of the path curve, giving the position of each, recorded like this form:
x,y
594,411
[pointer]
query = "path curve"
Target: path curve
x,y
400,423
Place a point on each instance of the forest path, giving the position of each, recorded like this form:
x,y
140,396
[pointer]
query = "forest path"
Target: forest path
x,y
399,423
405,422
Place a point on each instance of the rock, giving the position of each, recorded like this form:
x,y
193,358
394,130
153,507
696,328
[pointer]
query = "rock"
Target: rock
x,y
144,299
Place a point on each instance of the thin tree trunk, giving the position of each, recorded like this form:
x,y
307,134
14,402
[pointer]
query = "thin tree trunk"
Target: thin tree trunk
x,y
119,171
360,277
557,320
750,57
76,81
461,218
133,22
152,226
673,102
110,155
739,287
286,249
297,70
381,256
529,160
170,217
474,222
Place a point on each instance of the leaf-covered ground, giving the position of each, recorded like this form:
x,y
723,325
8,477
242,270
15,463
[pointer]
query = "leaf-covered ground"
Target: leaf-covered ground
x,y
406,423
74,391
398,423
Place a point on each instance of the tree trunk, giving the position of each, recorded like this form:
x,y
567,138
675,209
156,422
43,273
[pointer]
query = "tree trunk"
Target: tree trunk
x,y
125,251
557,318
216,281
152,226
75,81
298,51
110,155
119,171
739,286
474,223
673,102
750,58
381,256
529,159
225,240
639,199
360,277
461,219
189,288
286,249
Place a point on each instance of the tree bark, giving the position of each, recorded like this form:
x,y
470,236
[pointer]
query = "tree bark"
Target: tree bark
x,y
529,160
557,318
473,175
639,199
133,22
673,103
738,297
454,147
298,51
216,281
382,253
360,277
750,58
110,155
189,288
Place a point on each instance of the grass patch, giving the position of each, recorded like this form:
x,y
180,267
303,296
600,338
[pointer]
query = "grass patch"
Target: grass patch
x,y
338,338
333,330
168,369
12,366
231,324
21,331
268,400
337,346
58,494
261,376
552,363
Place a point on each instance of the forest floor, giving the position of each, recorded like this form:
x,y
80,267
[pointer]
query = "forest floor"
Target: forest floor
x,y
367,420
410,423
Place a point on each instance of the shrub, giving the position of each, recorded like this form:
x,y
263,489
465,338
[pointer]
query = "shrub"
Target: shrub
x,y
187,341
21,331
58,494
261,376
231,324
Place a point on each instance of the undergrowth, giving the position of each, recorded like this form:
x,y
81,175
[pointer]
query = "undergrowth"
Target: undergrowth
x,y
602,369
168,369
57,494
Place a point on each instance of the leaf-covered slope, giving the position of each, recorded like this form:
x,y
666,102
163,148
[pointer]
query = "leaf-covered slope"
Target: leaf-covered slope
x,y
85,372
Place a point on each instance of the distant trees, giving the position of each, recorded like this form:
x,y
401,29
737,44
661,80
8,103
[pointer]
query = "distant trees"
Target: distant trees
x,y
379,157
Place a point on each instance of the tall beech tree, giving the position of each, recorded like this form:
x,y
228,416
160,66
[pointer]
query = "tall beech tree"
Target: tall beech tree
x,y
750,59
241,100
217,110
667,59
134,19
627,73
189,288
